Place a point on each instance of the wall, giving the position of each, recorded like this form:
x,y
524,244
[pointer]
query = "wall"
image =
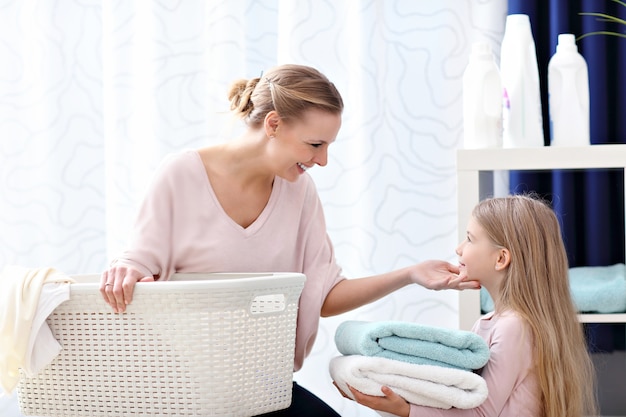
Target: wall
x,y
93,94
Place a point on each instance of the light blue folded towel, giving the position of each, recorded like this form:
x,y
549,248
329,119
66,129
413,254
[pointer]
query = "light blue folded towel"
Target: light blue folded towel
x,y
594,289
599,289
413,343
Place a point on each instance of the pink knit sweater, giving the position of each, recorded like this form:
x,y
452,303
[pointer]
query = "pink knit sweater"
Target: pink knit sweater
x,y
181,227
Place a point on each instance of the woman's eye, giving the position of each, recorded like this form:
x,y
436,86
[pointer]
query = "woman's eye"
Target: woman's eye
x,y
316,145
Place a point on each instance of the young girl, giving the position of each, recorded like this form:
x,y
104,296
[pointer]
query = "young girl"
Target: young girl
x,y
539,364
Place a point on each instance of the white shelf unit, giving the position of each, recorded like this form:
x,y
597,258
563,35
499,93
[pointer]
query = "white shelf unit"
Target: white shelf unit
x,y
475,169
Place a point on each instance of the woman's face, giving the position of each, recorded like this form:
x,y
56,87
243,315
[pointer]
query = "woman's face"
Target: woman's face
x,y
478,255
297,146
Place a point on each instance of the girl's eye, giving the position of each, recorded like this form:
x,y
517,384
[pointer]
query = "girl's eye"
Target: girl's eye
x,y
316,145
468,239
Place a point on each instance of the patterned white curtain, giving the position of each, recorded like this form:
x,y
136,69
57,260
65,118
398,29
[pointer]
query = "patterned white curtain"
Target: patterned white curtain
x,y
94,93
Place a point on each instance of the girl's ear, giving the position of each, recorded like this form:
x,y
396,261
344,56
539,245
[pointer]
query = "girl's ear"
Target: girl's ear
x,y
504,259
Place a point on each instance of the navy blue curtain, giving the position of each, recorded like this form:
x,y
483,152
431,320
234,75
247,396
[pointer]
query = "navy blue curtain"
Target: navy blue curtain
x,y
589,203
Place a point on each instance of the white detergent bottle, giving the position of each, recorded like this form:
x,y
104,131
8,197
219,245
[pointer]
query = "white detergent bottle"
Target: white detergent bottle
x,y
568,89
482,100
521,115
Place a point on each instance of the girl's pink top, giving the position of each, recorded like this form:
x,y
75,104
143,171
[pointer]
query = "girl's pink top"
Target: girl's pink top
x,y
181,227
513,387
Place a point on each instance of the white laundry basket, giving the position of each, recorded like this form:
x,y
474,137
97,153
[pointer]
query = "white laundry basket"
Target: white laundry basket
x,y
197,345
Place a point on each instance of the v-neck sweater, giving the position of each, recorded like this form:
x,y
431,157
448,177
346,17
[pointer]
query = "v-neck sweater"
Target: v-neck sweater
x,y
181,227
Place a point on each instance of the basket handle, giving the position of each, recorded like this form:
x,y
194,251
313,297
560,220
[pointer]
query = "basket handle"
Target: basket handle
x,y
268,303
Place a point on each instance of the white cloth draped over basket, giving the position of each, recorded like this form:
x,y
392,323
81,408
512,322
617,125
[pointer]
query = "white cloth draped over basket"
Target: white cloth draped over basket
x,y
199,344
27,298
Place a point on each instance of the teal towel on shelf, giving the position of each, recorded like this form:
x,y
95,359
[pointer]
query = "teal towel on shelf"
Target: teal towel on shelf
x,y
413,343
599,289
594,289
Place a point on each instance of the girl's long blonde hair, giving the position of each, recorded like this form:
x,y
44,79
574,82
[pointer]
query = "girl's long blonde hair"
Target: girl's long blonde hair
x,y
536,286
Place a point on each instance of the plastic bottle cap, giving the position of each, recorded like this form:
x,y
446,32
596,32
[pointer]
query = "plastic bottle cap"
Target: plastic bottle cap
x,y
566,43
517,20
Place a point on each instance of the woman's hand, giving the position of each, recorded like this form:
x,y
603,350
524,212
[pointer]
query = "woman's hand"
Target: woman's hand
x,y
117,286
440,275
390,402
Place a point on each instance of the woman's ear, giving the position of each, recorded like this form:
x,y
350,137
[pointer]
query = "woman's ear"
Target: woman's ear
x,y
271,122
503,260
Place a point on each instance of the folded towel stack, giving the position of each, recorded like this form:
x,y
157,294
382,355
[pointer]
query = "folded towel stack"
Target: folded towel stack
x,y
425,365
594,289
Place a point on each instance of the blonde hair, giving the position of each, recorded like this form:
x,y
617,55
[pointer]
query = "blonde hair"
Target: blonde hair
x,y
536,287
289,89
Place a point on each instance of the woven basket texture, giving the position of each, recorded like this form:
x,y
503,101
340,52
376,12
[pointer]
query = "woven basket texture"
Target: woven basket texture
x,y
207,347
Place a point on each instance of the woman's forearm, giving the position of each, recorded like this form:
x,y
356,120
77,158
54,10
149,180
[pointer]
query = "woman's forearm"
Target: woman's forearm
x,y
353,293
433,274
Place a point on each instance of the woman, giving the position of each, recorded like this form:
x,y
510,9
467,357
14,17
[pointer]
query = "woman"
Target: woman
x,y
248,205
539,365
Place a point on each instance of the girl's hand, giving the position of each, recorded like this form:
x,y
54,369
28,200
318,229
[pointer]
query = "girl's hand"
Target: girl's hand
x,y
390,402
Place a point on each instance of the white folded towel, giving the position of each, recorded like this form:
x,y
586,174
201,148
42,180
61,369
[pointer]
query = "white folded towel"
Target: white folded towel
x,y
428,385
25,302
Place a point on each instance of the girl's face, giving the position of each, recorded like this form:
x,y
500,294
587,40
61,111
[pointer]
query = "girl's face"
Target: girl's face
x,y
478,255
298,146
